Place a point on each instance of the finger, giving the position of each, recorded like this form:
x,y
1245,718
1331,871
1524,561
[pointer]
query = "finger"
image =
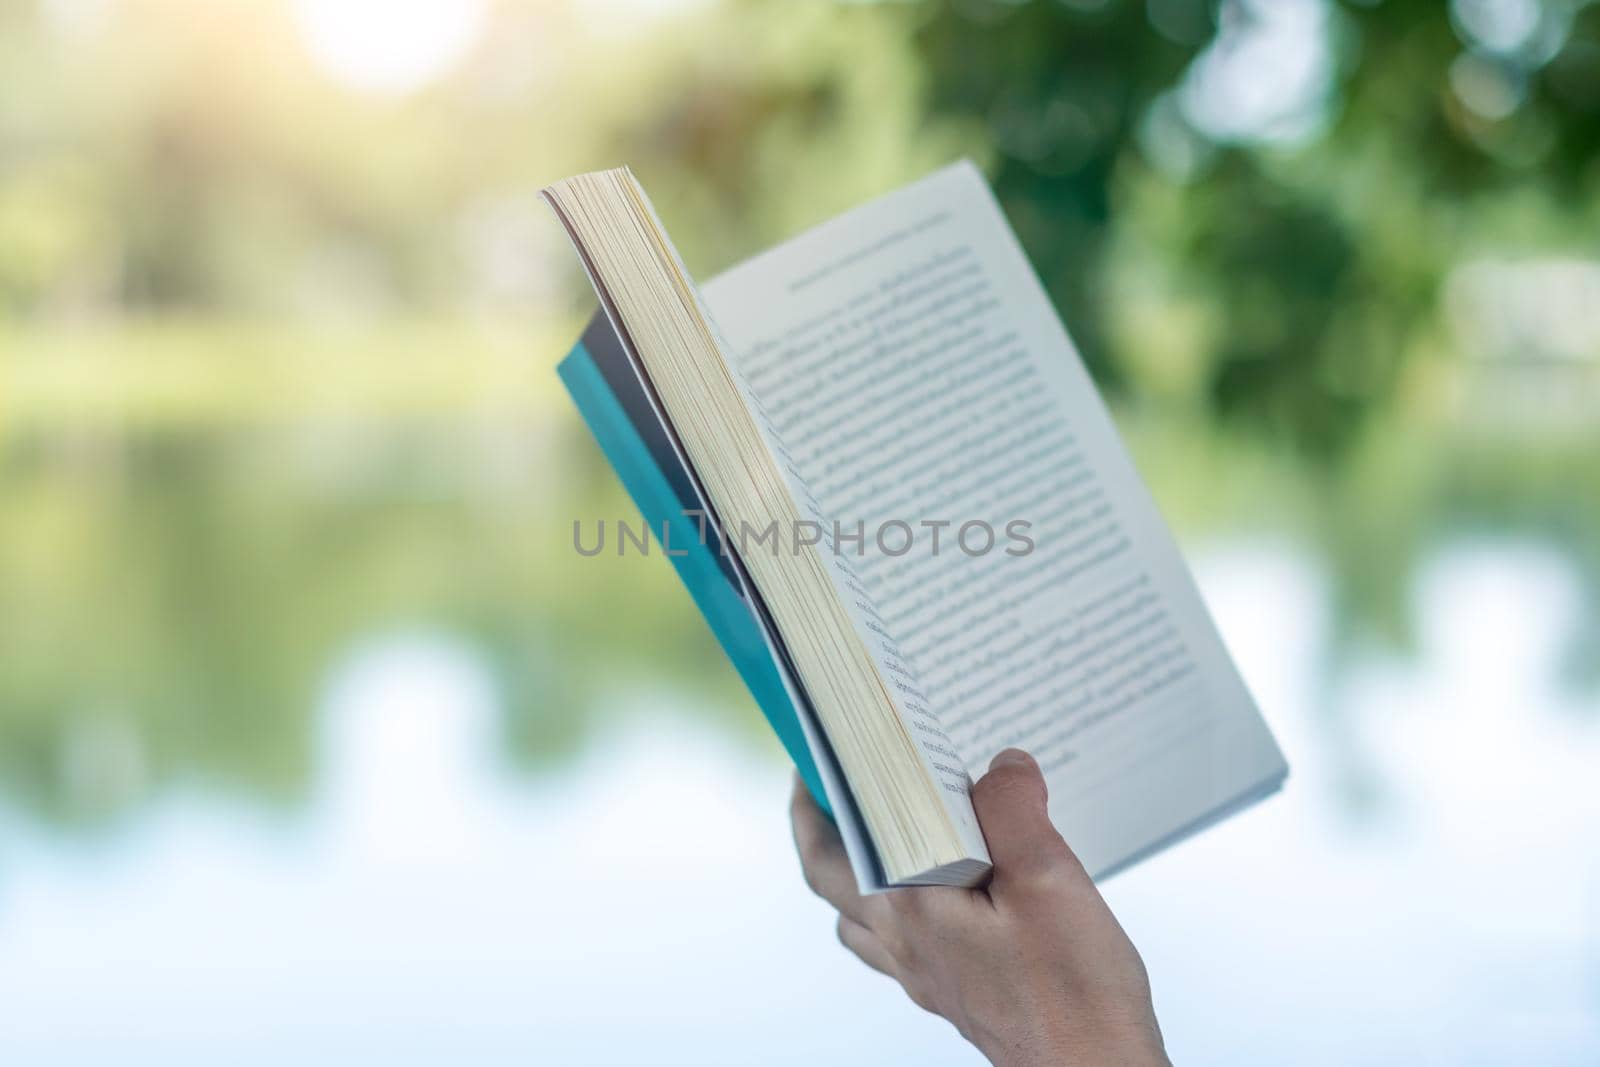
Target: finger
x,y
1011,802
824,862
865,944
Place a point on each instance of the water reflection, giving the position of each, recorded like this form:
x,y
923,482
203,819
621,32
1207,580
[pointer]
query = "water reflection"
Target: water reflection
x,y
639,903
169,603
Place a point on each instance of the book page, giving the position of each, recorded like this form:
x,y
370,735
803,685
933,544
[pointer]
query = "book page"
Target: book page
x,y
934,408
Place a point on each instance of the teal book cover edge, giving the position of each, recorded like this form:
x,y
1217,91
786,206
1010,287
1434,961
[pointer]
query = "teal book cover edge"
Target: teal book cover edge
x,y
725,611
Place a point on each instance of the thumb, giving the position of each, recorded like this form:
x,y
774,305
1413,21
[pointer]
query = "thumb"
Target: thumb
x,y
1011,804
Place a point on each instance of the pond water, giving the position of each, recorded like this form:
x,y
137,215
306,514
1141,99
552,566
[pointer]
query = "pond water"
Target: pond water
x,y
1426,889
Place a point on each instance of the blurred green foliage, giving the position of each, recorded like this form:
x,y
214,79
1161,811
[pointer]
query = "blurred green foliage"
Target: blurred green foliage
x,y
274,351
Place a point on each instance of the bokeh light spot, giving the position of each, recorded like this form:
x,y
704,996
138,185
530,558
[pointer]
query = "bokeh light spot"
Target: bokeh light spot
x,y
383,47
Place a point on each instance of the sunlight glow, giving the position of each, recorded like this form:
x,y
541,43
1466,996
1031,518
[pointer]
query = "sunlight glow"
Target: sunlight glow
x,y
627,18
382,47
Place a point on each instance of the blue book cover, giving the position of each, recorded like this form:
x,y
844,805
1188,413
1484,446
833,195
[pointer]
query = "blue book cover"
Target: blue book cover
x,y
612,401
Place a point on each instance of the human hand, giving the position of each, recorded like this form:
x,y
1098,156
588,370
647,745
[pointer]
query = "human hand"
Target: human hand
x,y
1033,969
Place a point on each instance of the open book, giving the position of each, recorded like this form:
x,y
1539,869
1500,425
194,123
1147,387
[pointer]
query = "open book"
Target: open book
x,y
880,466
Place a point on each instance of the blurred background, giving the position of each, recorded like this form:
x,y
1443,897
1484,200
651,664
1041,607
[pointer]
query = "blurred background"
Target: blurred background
x,y
317,740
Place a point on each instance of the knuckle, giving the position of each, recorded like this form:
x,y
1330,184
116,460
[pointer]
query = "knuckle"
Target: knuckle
x,y
812,852
893,939
910,903
806,845
1052,850
1051,868
1060,858
813,881
920,992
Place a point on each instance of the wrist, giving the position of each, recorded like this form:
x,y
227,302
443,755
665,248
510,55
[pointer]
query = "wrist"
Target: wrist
x,y
1089,1043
